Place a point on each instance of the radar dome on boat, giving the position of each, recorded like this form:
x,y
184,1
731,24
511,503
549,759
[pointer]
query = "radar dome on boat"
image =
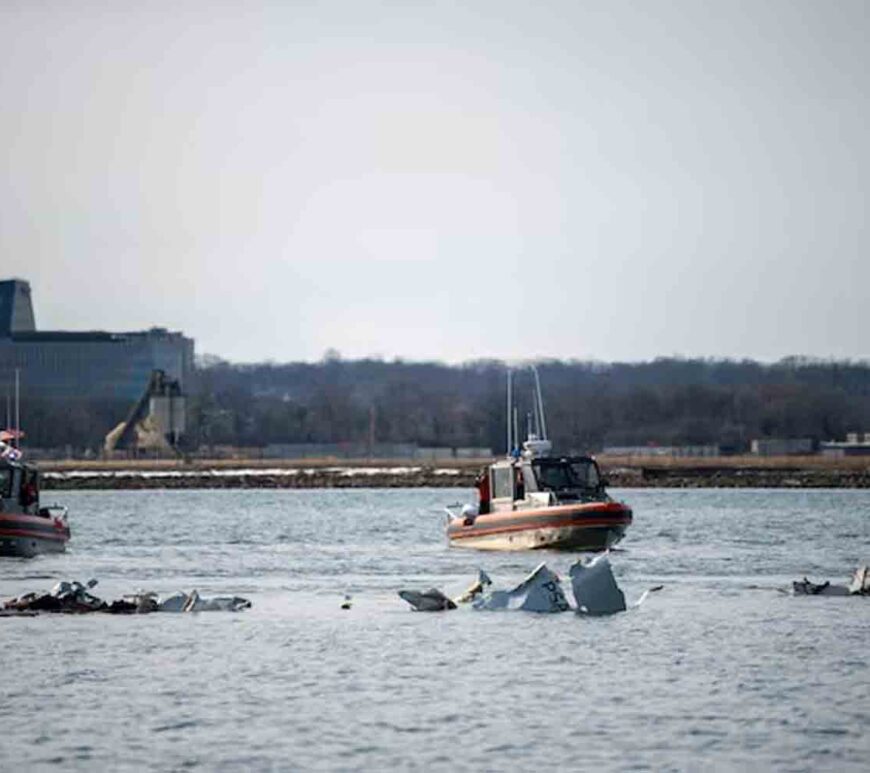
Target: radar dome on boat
x,y
536,447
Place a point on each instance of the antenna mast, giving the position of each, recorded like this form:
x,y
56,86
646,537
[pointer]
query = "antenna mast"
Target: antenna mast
x,y
17,439
510,444
539,405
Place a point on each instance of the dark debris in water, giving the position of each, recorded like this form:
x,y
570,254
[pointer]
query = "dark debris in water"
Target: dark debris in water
x,y
76,599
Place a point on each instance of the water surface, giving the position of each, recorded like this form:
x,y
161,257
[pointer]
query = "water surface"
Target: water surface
x,y
719,670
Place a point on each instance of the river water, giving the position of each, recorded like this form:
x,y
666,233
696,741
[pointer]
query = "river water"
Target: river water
x,y
719,670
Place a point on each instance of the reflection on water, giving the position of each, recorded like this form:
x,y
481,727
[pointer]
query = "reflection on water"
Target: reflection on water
x,y
718,670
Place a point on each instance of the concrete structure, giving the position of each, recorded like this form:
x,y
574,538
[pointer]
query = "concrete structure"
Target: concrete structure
x,y
16,308
156,422
61,364
782,446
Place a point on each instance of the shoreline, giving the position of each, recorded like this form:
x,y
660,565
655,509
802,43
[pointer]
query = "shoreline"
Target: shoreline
x,y
722,472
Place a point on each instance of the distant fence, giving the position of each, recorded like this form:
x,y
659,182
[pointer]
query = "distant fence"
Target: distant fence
x,y
666,451
376,451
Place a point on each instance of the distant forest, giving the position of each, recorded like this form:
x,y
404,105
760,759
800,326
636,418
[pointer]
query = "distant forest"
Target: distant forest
x,y
589,405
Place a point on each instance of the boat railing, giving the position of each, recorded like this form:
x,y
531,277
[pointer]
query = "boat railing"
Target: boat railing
x,y
55,511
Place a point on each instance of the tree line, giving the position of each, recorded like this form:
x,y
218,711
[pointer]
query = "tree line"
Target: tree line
x,y
589,405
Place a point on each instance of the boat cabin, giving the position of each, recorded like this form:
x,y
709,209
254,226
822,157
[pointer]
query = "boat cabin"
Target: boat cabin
x,y
19,488
515,484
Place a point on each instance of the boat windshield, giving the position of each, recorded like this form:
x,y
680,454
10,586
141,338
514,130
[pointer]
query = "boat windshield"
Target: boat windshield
x,y
563,474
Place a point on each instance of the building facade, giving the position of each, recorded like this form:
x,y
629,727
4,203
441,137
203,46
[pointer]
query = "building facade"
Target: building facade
x,y
857,444
96,364
782,446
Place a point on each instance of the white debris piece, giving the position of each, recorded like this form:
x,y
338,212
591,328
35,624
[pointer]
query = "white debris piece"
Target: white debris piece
x,y
76,593
541,591
475,589
595,589
221,604
173,603
193,602
860,585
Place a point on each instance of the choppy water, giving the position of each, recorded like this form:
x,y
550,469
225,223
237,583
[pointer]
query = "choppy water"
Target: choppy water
x,y
717,671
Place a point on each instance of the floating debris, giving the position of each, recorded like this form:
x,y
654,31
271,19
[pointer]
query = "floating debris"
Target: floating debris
x,y
475,589
346,603
806,587
71,597
593,584
197,603
595,588
74,598
860,586
432,600
541,591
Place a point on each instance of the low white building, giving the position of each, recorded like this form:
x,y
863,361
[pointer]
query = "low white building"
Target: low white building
x,y
782,446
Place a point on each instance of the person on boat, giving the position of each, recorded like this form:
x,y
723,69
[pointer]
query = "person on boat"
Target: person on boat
x,y
482,486
519,483
29,492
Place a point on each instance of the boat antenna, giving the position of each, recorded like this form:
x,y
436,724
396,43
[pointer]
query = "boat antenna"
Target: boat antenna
x,y
17,440
542,426
510,443
516,429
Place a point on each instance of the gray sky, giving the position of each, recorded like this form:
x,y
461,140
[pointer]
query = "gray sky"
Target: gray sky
x,y
445,180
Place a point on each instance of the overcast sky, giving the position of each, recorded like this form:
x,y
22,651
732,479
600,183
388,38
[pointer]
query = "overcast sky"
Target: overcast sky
x,y
443,180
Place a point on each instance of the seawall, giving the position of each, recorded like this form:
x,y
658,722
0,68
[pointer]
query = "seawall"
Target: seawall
x,y
241,474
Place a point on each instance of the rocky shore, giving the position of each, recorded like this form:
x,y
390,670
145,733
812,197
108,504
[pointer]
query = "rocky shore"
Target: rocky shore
x,y
66,477
314,477
738,477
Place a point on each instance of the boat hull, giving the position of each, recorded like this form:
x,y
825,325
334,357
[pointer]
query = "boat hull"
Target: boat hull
x,y
588,527
26,536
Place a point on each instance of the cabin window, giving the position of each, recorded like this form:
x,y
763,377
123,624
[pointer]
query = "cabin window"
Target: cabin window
x,y
553,477
502,483
560,476
585,474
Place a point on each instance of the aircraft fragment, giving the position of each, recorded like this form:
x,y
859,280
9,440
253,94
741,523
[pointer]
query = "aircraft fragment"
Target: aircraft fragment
x,y
593,584
541,591
595,588
432,600
860,585
475,589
